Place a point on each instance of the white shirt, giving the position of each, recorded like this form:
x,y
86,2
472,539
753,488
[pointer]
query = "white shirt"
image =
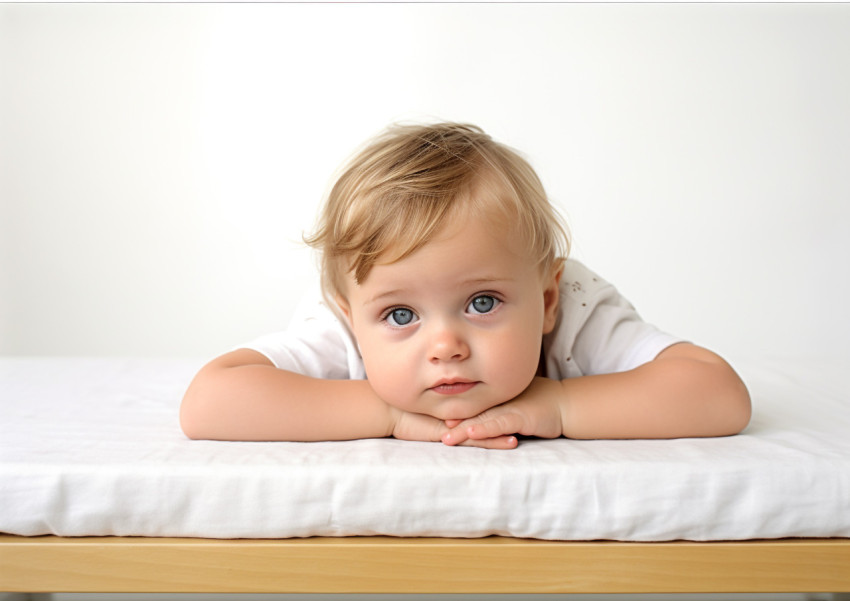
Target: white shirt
x,y
597,332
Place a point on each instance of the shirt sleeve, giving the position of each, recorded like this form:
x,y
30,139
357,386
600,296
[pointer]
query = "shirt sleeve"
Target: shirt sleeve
x,y
316,344
598,330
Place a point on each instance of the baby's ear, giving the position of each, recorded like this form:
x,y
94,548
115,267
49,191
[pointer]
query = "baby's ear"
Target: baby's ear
x,y
552,297
344,307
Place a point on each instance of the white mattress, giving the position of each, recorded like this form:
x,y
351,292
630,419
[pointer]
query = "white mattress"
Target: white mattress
x,y
93,447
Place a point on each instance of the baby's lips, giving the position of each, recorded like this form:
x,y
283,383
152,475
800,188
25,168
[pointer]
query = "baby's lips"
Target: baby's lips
x,y
453,387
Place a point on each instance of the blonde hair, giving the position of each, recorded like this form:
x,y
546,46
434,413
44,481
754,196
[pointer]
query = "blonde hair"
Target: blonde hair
x,y
395,194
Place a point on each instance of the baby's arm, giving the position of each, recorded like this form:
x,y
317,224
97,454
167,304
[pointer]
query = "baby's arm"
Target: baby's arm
x,y
687,391
243,396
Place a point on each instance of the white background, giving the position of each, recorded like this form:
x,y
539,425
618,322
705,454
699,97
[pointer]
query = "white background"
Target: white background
x,y
159,163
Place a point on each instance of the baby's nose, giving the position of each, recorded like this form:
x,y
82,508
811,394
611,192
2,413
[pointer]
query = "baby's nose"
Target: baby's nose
x,y
448,344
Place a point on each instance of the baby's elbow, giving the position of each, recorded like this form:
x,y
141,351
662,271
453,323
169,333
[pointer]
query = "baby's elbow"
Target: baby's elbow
x,y
196,410
738,406
744,414
190,419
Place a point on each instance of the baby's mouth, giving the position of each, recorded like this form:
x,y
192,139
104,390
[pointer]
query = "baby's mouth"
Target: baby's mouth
x,y
457,387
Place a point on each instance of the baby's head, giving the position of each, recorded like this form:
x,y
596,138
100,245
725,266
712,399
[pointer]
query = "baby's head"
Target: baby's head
x,y
401,190
438,235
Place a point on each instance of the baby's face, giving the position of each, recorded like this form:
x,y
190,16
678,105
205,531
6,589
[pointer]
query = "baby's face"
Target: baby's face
x,y
455,328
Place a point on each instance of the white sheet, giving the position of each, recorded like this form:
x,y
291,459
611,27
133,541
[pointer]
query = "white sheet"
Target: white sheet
x,y
93,447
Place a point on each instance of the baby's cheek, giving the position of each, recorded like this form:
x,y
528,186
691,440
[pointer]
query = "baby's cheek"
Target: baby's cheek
x,y
517,366
391,383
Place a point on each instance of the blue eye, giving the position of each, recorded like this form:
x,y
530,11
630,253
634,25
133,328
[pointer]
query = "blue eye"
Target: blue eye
x,y
400,317
483,304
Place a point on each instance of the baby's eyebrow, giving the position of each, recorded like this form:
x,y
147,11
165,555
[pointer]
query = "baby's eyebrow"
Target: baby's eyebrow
x,y
487,280
382,295
474,281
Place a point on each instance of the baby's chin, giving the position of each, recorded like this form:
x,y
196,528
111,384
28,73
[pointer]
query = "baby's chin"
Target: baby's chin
x,y
461,411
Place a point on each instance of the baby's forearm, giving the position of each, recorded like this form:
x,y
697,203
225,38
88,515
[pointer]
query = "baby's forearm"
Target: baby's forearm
x,y
686,392
228,401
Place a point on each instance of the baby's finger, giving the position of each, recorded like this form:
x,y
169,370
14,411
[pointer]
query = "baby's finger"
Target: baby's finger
x,y
459,436
490,428
500,442
499,426
455,436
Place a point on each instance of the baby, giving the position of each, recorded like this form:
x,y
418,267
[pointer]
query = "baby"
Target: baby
x,y
449,313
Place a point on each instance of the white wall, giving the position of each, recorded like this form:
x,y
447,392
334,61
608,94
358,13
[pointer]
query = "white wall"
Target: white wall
x,y
159,162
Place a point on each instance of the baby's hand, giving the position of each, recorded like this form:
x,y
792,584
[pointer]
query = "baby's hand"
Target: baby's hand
x,y
535,412
415,426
